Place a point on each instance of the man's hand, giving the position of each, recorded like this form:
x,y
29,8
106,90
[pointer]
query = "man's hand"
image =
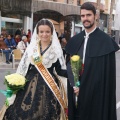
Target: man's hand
x,y
76,90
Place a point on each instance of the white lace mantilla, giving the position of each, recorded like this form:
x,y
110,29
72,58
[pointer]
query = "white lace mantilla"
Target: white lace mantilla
x,y
53,53
49,57
24,64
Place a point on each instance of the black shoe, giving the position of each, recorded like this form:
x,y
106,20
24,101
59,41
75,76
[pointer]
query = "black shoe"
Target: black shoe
x,y
10,60
7,62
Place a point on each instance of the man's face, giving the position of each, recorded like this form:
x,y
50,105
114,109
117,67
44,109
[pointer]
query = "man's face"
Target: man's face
x,y
88,18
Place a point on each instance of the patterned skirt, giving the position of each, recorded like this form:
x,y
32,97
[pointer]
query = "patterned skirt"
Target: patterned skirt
x,y
35,102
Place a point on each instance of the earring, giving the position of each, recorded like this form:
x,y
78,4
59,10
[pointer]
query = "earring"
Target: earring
x,y
38,39
51,38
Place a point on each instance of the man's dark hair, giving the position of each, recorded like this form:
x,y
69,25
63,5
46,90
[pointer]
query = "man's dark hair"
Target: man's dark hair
x,y
89,6
45,22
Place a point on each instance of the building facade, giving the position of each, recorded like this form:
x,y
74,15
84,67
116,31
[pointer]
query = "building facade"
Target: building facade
x,y
61,12
64,14
12,14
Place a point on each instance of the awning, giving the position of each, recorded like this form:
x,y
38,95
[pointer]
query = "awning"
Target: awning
x,y
64,9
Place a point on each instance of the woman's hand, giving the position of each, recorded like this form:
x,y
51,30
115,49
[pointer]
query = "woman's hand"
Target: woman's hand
x,y
76,90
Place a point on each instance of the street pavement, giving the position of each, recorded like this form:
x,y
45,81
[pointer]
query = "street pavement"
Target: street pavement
x,y
4,71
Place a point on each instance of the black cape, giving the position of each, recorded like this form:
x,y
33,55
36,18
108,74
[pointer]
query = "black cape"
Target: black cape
x,y
97,97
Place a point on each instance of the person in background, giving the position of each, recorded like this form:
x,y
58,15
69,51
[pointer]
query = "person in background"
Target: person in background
x,y
10,42
4,49
63,44
29,35
17,39
22,45
23,32
97,90
67,35
18,32
62,35
4,32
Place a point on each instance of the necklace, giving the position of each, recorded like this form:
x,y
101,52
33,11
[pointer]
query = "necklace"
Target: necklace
x,y
42,52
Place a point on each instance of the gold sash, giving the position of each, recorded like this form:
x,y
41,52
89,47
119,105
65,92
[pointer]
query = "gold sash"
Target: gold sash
x,y
53,86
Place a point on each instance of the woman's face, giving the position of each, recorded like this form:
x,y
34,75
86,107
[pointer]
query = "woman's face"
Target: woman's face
x,y
44,33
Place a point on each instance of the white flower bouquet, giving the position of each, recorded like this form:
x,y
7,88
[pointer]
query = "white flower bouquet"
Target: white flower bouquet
x,y
15,82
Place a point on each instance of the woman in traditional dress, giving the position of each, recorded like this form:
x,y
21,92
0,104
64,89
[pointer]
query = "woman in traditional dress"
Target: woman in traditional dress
x,y
41,98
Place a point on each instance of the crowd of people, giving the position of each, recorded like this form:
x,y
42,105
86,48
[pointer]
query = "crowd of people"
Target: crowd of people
x,y
20,41
43,97
9,42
